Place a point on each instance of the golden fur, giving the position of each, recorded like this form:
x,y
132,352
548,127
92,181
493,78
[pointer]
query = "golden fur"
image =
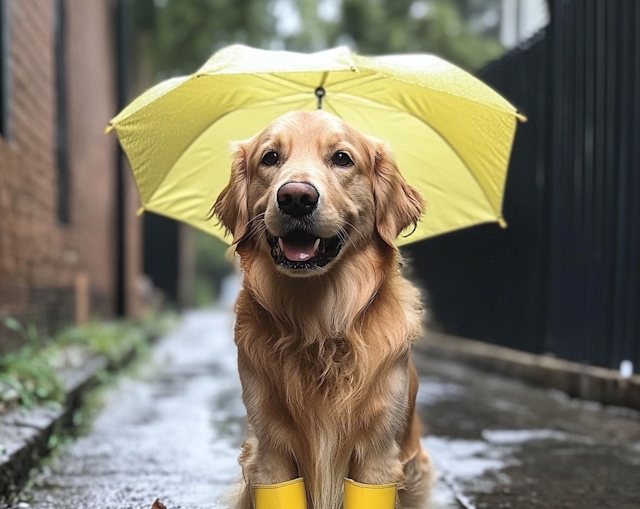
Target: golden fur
x,y
324,355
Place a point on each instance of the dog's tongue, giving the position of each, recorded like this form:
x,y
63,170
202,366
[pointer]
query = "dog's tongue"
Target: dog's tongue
x,y
298,251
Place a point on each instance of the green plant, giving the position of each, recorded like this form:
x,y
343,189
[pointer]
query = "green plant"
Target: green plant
x,y
156,323
28,331
111,339
30,376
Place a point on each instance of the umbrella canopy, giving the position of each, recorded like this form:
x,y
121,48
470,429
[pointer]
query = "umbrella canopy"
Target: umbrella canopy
x,y
450,133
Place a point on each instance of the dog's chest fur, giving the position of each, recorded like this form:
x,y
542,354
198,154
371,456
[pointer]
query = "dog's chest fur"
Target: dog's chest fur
x,y
324,368
323,405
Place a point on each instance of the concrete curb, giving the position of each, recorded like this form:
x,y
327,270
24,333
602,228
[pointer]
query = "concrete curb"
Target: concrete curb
x,y
25,434
605,386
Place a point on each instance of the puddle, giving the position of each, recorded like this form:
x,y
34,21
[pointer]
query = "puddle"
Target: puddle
x,y
461,465
469,467
519,436
433,390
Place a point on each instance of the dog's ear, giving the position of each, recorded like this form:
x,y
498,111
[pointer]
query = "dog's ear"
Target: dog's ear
x,y
398,204
232,207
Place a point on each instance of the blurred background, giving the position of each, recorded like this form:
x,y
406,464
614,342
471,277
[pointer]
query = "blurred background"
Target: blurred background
x,y
563,279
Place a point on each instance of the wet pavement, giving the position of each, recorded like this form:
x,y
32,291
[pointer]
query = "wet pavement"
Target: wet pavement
x,y
173,432
502,444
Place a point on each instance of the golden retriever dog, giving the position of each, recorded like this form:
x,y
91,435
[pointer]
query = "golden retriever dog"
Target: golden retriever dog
x,y
325,320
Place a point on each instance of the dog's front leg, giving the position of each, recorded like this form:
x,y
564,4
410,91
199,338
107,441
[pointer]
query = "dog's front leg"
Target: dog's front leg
x,y
376,455
374,477
262,466
273,466
377,465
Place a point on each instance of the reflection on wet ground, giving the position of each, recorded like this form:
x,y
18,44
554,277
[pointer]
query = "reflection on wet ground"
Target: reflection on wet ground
x,y
501,444
174,432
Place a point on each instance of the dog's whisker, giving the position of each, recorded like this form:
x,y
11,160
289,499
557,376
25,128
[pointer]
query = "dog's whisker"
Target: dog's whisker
x,y
344,236
359,232
255,217
258,225
257,229
347,238
254,227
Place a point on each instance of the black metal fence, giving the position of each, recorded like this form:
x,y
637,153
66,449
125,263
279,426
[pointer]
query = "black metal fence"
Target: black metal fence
x,y
564,278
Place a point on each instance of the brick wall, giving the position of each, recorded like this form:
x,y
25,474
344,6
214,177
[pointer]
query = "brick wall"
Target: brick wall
x,y
36,250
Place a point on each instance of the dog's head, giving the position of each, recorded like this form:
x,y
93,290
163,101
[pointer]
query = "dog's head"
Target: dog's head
x,y
310,188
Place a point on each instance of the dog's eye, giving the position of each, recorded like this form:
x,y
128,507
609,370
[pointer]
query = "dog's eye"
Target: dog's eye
x,y
341,159
270,158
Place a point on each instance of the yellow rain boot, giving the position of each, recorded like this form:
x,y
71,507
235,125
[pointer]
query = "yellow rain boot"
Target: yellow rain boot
x,y
369,496
285,495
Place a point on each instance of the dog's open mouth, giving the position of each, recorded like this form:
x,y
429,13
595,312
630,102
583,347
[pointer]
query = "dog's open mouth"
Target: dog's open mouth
x,y
299,250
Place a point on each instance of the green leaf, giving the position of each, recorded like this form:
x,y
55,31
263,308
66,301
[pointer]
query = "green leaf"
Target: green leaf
x,y
53,441
13,324
32,332
41,392
8,394
78,418
26,399
12,381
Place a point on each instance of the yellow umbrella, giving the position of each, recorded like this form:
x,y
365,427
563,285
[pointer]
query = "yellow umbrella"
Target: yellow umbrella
x,y
450,133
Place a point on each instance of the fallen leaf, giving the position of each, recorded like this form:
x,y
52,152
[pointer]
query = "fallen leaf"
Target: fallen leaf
x,y
158,505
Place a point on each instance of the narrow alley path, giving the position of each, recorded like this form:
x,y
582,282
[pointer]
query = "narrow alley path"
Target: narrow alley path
x,y
173,432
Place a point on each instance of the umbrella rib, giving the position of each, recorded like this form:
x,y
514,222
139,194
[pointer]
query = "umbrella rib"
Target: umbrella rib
x,y
475,178
304,88
334,87
253,105
376,76
330,105
454,150
358,77
287,83
298,87
369,79
325,75
268,101
513,112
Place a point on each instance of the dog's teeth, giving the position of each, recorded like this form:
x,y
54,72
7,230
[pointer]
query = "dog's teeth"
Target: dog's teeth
x,y
280,243
316,244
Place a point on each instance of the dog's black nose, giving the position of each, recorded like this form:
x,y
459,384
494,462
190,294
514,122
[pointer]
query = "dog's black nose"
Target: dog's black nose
x,y
297,199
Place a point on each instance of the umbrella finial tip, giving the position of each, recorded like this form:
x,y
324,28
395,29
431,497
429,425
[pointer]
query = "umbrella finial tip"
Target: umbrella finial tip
x,y
320,93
